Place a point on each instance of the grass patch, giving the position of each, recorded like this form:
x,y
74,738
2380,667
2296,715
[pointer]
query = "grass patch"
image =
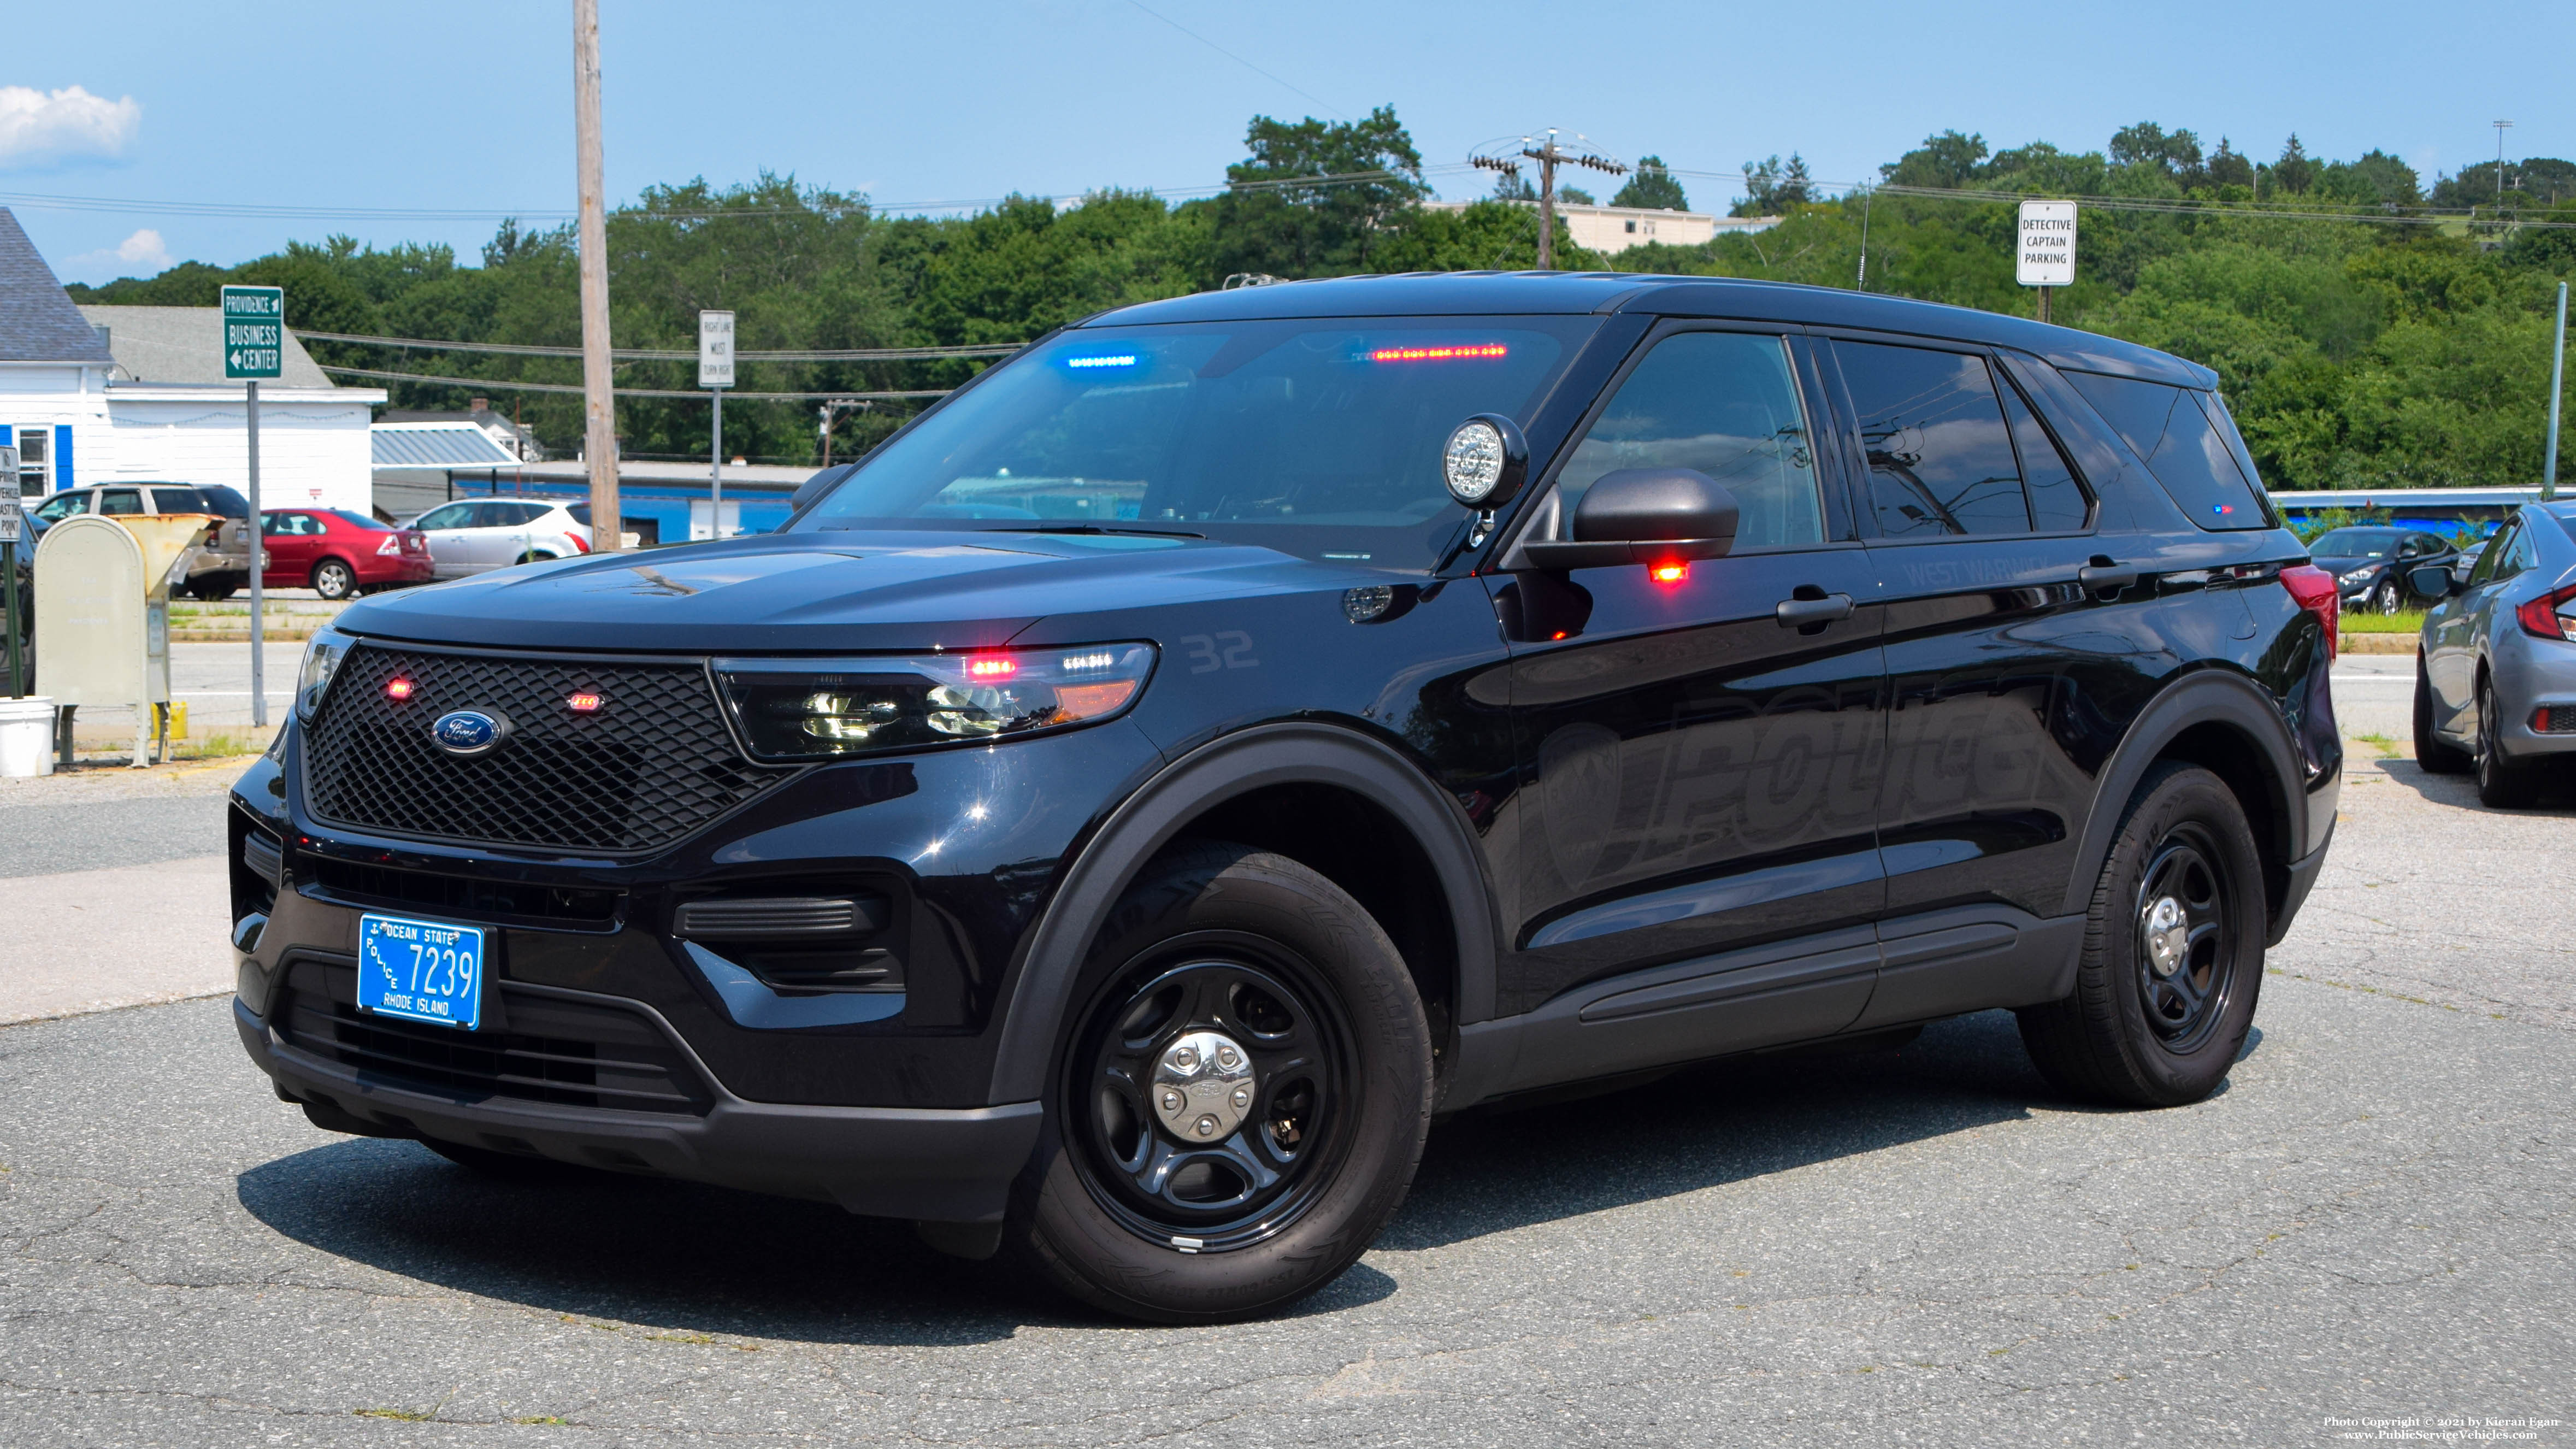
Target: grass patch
x,y
2388,748
407,1415
2404,621
542,1419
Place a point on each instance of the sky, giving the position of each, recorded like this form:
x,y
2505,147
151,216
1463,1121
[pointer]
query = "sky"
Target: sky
x,y
177,115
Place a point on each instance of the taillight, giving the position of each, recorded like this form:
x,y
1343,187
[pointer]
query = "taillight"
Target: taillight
x,y
2540,616
2314,590
579,542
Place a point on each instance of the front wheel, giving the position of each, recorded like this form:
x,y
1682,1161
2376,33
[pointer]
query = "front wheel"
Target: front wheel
x,y
1241,1097
334,580
2385,598
2173,952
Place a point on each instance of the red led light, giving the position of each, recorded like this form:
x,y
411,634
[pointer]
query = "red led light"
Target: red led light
x,y
991,668
1439,354
398,690
582,703
1668,573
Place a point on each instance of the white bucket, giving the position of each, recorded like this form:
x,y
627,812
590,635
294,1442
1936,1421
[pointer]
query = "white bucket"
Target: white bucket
x,y
26,737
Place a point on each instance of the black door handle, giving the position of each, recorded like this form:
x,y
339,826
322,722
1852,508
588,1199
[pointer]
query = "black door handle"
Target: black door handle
x,y
2103,576
1797,613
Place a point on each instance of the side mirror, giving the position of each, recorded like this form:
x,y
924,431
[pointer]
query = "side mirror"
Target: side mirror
x,y
1644,516
818,485
2433,581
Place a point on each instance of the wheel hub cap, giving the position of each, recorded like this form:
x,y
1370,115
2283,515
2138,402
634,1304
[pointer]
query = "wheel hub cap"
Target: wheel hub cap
x,y
2168,935
1203,1087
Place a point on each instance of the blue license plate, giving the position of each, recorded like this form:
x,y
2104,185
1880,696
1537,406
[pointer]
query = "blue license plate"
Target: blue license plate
x,y
421,970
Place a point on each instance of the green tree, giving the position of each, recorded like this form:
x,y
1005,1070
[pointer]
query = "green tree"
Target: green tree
x,y
1317,198
1652,187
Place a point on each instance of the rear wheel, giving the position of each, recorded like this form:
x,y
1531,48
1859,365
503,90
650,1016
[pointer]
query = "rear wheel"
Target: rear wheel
x,y
2173,952
1241,1098
2502,784
333,579
2437,757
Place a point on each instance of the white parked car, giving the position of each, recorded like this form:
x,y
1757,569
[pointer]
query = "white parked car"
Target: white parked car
x,y
472,535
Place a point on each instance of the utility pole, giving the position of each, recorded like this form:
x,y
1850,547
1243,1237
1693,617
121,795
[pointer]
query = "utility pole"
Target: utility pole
x,y
1549,156
2557,382
599,433
2500,130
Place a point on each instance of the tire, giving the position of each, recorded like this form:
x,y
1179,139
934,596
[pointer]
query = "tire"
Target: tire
x,y
335,580
214,590
2138,1030
533,556
1289,978
2431,752
2385,599
2502,784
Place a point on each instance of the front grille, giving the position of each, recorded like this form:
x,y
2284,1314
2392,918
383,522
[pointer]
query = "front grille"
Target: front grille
x,y
652,764
573,1053
358,884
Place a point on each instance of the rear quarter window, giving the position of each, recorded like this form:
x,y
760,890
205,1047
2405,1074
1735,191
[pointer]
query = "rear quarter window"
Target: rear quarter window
x,y
2171,429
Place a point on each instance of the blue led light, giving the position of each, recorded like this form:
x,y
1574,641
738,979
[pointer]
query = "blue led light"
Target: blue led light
x,y
1115,359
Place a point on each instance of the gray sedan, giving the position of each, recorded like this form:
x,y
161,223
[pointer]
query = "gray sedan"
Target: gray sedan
x,y
2495,681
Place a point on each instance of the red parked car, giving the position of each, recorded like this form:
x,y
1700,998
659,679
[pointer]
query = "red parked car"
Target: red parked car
x,y
335,552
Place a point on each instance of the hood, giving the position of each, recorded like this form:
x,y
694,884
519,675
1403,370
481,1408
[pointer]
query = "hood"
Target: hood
x,y
826,591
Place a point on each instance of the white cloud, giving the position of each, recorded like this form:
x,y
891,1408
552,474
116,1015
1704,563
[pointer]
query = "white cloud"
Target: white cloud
x,y
144,249
41,126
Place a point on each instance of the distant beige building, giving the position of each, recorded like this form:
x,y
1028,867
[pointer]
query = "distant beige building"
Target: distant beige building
x,y
1612,229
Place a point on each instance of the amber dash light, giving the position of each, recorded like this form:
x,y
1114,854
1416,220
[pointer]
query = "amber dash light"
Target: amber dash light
x,y
398,690
1668,573
991,668
582,703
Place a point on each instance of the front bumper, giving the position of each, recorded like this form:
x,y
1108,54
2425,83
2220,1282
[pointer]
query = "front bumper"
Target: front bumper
x,y
937,1164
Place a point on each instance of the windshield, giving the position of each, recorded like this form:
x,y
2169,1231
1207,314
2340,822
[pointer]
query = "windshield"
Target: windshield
x,y
2356,543
1319,438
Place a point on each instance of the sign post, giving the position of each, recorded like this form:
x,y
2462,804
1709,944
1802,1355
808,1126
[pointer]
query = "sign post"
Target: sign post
x,y
254,348
13,528
715,374
2045,257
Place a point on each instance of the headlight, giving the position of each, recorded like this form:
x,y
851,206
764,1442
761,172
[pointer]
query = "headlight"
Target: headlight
x,y
813,709
321,658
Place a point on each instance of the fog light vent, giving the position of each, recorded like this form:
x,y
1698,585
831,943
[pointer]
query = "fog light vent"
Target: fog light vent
x,y
775,916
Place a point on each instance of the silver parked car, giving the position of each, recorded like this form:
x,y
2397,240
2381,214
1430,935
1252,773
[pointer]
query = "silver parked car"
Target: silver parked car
x,y
2495,679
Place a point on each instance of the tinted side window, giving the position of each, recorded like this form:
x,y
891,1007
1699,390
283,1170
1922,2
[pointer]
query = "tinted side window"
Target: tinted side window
x,y
1725,404
1940,458
121,502
2490,564
2186,453
2057,501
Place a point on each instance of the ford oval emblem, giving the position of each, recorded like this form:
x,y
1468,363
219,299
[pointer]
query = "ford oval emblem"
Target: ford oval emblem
x,y
466,733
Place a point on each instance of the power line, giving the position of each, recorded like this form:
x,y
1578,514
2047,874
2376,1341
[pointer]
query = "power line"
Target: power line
x,y
1230,55
496,385
673,354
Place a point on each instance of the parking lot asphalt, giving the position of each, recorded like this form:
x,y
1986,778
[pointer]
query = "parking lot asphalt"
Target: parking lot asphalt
x,y
1927,1246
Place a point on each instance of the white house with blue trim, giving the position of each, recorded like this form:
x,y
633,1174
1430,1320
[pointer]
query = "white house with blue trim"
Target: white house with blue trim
x,y
138,393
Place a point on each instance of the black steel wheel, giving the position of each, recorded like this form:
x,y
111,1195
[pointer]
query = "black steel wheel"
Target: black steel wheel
x,y
1241,1095
333,579
2172,961
2437,755
2183,955
1211,1092
2502,784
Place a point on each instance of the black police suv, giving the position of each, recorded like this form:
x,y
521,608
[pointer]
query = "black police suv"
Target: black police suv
x,y
1113,820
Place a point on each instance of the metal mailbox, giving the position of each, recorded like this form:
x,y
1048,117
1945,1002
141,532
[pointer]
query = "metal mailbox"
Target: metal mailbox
x,y
103,615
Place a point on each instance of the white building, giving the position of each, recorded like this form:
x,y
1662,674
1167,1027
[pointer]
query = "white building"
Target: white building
x,y
1612,229
138,392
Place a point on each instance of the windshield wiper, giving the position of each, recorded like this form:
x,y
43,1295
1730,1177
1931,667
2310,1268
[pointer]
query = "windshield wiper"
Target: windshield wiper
x,y
1094,528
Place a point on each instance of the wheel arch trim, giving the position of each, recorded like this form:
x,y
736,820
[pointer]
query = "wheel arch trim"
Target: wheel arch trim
x,y
2202,697
1157,814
